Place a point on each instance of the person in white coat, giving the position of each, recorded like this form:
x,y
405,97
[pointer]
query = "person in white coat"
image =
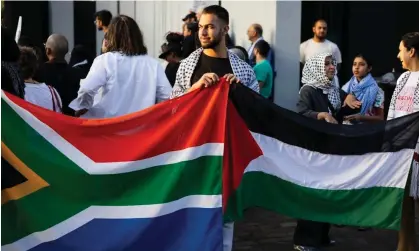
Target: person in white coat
x,y
124,79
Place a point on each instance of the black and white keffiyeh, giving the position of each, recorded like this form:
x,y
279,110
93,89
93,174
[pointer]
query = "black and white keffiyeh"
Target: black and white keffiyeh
x,y
314,75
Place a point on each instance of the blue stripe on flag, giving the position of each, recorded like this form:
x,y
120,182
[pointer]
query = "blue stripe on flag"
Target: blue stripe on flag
x,y
191,229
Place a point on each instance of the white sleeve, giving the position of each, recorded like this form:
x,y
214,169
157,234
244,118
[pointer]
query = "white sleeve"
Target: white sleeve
x,y
336,54
164,89
302,52
95,79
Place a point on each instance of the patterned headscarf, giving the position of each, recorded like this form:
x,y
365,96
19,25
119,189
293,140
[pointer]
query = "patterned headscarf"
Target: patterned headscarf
x,y
314,75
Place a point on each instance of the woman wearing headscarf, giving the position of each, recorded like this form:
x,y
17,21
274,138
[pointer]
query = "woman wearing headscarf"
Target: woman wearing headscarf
x,y
320,99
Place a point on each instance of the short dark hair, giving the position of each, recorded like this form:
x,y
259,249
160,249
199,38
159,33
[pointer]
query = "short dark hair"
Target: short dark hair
x,y
28,62
125,36
263,48
411,40
105,16
319,20
219,11
366,59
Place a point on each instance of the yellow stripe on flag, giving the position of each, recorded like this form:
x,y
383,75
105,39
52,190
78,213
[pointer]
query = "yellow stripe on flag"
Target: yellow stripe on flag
x,y
33,183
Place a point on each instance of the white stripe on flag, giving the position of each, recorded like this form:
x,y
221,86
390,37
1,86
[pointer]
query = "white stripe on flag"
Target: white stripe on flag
x,y
113,212
332,172
91,167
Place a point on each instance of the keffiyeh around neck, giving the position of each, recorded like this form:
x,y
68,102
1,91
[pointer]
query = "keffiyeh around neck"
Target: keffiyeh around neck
x,y
365,91
314,75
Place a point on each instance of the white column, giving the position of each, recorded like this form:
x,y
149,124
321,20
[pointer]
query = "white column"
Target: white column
x,y
127,8
287,53
61,21
156,18
145,14
111,6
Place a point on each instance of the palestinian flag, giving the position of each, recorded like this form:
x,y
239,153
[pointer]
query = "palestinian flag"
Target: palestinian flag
x,y
165,178
308,169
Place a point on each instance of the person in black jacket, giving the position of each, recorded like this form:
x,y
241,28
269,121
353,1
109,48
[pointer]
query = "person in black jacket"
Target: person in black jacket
x,y
81,60
320,99
11,80
57,73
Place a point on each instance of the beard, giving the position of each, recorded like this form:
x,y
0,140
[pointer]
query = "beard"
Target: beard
x,y
212,44
321,36
100,28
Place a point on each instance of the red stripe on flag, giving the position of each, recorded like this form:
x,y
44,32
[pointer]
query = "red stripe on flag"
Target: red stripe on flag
x,y
173,125
240,149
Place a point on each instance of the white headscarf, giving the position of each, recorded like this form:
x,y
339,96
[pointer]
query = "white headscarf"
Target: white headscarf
x,y
314,75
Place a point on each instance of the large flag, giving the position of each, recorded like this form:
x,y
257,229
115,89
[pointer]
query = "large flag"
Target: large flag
x,y
146,181
309,169
165,178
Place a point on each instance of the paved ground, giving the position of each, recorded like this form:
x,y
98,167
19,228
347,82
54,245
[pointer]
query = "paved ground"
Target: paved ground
x,y
266,231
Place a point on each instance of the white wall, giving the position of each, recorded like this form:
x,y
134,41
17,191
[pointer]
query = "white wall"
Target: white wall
x,y
245,13
61,21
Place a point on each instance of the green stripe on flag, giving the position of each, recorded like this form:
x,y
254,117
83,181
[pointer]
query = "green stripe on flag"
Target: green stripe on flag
x,y
72,190
347,207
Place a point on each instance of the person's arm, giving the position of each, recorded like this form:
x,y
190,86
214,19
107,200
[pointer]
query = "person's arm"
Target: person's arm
x,y
95,79
378,111
261,75
305,104
164,88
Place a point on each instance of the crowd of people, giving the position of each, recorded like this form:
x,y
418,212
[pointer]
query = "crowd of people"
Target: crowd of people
x,y
124,79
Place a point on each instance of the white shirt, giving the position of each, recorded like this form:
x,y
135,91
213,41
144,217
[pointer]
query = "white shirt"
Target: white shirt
x,y
310,48
40,94
117,85
405,100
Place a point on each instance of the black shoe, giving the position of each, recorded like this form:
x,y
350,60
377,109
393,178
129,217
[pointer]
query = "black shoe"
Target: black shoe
x,y
305,248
